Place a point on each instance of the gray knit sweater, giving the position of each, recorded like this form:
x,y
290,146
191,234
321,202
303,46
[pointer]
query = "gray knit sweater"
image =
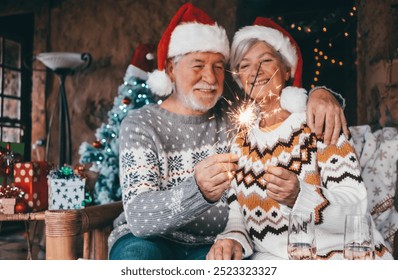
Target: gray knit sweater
x,y
158,154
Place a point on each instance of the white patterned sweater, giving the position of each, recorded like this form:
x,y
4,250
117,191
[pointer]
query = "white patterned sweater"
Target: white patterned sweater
x,y
157,161
330,186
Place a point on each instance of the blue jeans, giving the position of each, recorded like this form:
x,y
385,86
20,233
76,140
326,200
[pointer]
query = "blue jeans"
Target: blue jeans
x,y
130,247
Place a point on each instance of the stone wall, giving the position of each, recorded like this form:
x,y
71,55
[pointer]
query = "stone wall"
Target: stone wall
x,y
377,56
109,30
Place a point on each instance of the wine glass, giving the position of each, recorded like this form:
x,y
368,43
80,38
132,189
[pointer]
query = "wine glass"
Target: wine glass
x,y
301,243
358,238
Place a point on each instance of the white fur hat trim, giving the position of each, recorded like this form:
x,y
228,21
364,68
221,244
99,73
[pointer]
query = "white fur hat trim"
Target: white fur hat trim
x,y
136,72
294,99
197,37
271,36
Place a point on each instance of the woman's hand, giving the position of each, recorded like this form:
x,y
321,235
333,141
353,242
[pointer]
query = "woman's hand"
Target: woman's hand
x,y
225,249
282,185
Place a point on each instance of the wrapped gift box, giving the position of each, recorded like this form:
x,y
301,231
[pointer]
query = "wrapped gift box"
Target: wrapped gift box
x,y
66,193
31,178
7,205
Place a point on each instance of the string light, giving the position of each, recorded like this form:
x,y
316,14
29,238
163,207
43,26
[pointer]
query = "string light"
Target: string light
x,y
327,39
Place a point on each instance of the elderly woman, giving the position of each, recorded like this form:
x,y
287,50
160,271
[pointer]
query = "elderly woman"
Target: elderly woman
x,y
283,166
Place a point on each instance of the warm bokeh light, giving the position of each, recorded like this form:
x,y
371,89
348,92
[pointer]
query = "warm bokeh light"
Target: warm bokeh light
x,y
329,41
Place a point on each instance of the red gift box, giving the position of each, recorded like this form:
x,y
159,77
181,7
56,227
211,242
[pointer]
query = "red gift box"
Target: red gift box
x,y
31,178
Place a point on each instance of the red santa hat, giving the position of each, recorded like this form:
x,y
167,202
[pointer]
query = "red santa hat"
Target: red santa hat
x,y
190,30
267,30
142,62
293,98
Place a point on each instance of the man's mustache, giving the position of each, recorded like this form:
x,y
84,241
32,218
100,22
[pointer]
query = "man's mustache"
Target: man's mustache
x,y
205,86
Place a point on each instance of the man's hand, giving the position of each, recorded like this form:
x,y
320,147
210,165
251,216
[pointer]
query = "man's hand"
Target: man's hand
x,y
282,185
213,175
225,249
325,116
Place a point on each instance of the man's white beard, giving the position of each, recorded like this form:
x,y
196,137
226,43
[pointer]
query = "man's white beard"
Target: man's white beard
x,y
190,100
192,103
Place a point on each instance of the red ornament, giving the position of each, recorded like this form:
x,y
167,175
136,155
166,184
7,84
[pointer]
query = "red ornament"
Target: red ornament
x,y
80,170
126,101
21,207
97,144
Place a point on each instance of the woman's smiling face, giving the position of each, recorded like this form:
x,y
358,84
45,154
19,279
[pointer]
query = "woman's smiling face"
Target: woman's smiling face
x,y
262,72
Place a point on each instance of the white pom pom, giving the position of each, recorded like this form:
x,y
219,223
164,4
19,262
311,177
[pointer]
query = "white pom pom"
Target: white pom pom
x,y
159,83
294,99
149,56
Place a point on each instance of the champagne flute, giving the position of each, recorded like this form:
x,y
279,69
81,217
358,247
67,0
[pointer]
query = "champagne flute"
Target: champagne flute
x,y
358,238
301,243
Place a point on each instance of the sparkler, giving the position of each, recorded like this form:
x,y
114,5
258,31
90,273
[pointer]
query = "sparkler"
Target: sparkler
x,y
248,113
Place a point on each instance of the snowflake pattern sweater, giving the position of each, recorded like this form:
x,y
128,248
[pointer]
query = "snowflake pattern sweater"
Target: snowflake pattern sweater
x,y
330,187
157,161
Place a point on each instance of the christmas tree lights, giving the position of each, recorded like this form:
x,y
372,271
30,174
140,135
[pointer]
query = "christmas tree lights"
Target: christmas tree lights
x,y
103,153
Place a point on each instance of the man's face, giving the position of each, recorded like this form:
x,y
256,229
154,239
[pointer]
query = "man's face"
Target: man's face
x,y
198,79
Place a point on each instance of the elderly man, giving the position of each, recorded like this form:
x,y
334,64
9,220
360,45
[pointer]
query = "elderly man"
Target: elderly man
x,y
174,160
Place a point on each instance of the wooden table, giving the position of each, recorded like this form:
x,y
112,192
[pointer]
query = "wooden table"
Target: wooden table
x,y
64,227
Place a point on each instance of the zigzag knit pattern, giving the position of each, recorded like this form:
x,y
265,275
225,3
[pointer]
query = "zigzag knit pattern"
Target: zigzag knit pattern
x,y
329,178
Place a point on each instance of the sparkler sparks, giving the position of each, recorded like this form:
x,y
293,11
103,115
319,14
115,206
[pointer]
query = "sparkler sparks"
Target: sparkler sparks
x,y
244,116
248,113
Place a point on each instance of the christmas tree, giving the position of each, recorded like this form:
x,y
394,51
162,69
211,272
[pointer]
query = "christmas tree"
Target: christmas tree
x,y
103,153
